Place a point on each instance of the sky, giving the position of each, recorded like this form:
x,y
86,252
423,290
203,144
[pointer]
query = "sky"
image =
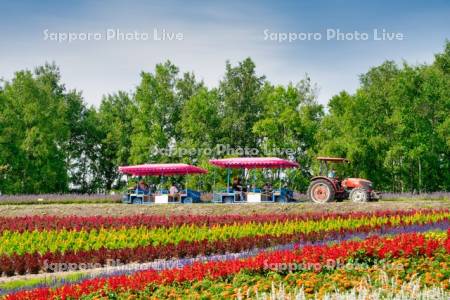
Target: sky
x,y
200,36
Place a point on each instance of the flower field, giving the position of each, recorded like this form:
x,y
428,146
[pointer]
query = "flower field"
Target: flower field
x,y
59,199
230,256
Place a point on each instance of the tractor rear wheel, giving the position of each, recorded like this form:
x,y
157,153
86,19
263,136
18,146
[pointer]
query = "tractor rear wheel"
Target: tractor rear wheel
x,y
359,195
321,191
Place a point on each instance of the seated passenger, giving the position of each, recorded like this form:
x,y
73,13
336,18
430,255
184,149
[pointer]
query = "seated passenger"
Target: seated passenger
x,y
238,189
143,187
332,173
152,188
237,186
173,192
267,188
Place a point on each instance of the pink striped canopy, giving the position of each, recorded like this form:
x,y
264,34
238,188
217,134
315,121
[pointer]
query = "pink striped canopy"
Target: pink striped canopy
x,y
161,169
253,162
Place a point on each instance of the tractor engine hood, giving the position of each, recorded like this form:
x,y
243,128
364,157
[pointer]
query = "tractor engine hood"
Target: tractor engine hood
x,y
357,183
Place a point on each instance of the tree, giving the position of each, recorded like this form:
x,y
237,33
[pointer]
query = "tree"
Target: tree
x,y
115,120
34,131
84,146
200,122
290,119
393,128
154,124
240,104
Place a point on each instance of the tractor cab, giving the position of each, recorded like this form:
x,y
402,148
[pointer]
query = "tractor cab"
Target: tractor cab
x,y
327,187
325,165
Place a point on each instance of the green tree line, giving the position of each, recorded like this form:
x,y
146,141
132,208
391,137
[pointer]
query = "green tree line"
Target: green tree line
x,y
395,129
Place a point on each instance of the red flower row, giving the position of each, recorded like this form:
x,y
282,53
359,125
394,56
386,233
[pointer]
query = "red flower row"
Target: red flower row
x,y
406,245
30,223
36,262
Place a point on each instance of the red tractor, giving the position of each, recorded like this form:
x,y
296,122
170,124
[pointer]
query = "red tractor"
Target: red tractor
x,y
327,187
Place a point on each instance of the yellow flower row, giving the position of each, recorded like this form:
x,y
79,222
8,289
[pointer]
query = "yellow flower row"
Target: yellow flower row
x,y
63,240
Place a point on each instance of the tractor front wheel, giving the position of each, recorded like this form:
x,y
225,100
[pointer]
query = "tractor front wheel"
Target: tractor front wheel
x,y
321,191
359,195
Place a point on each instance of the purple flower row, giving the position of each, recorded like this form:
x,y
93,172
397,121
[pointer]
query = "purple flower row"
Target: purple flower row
x,y
58,198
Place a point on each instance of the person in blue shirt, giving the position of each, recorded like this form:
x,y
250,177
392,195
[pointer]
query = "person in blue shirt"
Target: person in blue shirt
x,y
143,187
332,173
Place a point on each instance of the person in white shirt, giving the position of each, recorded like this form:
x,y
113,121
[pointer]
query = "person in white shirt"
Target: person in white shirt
x,y
173,192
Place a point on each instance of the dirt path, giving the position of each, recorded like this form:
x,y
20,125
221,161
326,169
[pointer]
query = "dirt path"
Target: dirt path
x,y
209,209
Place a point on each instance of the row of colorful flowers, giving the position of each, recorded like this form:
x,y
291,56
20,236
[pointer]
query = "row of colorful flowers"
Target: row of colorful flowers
x,y
44,241
407,248
80,260
388,277
39,223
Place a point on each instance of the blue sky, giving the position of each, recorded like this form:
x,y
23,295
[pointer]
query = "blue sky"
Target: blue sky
x,y
214,32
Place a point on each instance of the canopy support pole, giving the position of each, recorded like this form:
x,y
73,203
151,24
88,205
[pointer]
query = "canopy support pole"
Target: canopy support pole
x,y
214,180
228,180
186,185
279,177
254,181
